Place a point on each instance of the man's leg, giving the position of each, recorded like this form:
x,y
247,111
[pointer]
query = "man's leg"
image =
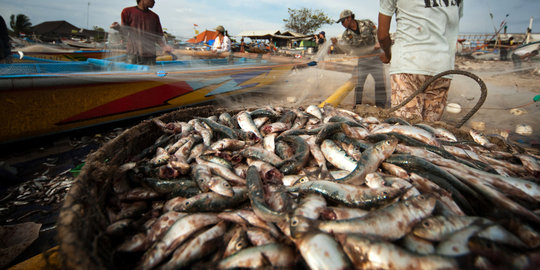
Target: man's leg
x,y
377,71
435,97
360,80
516,60
403,85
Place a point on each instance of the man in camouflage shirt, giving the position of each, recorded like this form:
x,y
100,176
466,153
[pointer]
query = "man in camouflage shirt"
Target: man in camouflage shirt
x,y
360,39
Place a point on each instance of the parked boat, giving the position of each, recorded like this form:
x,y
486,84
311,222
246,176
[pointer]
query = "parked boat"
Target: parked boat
x,y
39,99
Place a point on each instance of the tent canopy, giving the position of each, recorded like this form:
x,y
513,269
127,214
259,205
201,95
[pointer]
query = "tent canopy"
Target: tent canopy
x,y
204,36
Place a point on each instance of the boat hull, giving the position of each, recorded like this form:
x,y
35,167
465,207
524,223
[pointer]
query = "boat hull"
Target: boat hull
x,y
42,105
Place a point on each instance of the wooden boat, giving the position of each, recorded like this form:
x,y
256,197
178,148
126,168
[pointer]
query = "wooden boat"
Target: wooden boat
x,y
39,99
63,55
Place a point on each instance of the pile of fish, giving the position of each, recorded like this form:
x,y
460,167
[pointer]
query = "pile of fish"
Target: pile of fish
x,y
323,188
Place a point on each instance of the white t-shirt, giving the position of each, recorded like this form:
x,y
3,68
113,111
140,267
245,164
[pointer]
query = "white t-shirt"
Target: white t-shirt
x,y
222,48
426,34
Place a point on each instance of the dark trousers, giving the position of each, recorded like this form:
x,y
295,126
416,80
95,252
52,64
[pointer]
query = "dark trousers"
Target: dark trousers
x,y
371,65
517,60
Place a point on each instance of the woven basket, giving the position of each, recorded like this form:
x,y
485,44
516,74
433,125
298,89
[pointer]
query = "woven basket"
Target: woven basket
x,y
83,220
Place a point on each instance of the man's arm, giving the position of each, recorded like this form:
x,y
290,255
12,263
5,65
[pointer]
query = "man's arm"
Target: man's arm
x,y
383,34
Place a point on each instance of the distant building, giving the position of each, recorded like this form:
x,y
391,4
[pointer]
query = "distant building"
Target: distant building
x,y
57,30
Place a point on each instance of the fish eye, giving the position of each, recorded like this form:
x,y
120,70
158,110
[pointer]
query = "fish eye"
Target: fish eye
x,y
422,197
303,179
385,193
239,245
186,203
426,224
294,221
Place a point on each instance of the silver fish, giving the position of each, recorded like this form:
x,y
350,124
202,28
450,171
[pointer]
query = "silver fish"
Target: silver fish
x,y
196,248
349,195
246,124
411,131
275,255
390,223
368,253
337,213
238,241
259,237
437,228
310,206
336,156
321,251
418,245
176,235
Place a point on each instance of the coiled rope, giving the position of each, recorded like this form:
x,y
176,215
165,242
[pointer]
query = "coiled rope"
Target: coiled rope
x,y
476,107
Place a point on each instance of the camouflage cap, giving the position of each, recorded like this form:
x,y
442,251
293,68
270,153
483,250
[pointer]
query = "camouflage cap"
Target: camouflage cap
x,y
344,14
220,28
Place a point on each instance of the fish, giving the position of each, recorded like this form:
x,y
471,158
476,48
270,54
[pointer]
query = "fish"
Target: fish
x,y
162,225
269,173
176,235
370,161
417,245
410,131
481,139
337,157
196,248
321,251
246,217
318,155
259,237
220,186
161,157
269,142
256,197
204,131
261,154
224,172
337,213
237,241
211,201
276,255
301,154
315,111
437,228
456,243
227,144
370,253
496,197
348,195
389,223
246,124
222,130
310,206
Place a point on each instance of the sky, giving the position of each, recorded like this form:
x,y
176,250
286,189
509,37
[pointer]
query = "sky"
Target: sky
x,y
179,16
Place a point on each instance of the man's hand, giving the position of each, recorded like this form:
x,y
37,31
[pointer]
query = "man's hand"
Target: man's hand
x,y
167,48
115,26
385,59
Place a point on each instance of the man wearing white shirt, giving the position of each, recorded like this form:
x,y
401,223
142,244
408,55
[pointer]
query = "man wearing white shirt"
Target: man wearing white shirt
x,y
424,45
222,43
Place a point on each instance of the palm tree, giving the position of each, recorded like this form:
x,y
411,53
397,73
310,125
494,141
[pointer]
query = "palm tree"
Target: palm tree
x,y
20,24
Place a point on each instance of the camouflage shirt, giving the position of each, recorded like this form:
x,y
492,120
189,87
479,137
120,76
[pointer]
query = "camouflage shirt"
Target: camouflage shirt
x,y
365,37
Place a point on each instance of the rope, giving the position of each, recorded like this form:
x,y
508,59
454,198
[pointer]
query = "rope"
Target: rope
x,y
476,107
